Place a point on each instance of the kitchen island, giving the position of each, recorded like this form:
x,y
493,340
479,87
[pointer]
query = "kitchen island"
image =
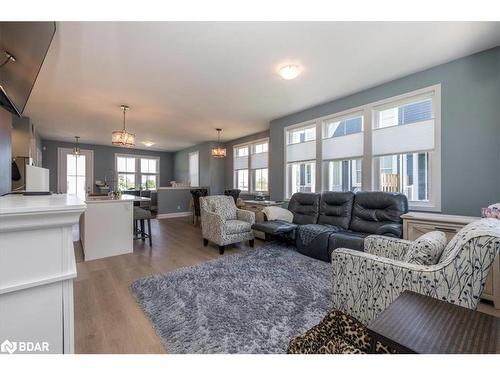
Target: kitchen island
x,y
106,228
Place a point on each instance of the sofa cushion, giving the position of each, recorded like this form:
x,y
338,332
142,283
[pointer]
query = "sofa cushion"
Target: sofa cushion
x,y
312,240
348,240
336,208
274,227
373,209
305,208
427,249
237,226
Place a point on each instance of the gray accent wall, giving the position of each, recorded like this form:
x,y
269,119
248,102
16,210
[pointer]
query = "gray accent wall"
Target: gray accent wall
x,y
211,169
470,128
104,160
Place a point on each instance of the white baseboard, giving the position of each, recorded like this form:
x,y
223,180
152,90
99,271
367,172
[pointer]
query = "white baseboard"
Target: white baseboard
x,y
174,214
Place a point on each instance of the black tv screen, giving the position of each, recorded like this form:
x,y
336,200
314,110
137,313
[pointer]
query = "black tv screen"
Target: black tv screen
x,y
28,43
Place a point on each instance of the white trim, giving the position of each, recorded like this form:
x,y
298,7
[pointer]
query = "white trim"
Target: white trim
x,y
368,111
174,214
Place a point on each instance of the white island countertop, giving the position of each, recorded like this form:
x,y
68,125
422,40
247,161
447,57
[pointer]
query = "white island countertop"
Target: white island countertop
x,y
123,198
20,204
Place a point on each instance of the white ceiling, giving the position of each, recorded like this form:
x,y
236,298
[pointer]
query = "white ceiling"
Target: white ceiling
x,y
183,79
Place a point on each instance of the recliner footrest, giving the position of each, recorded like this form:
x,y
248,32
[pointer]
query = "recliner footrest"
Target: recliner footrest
x,y
275,227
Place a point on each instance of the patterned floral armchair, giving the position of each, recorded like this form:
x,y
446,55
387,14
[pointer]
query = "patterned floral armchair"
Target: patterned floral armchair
x,y
365,283
223,223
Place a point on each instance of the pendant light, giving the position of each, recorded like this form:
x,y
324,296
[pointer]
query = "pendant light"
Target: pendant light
x,y
218,151
76,149
123,137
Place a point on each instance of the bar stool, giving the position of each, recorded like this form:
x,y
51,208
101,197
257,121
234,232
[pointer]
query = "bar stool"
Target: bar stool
x,y
140,214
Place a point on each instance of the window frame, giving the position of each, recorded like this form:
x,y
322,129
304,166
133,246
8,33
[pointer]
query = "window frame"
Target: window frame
x,y
138,174
368,112
250,147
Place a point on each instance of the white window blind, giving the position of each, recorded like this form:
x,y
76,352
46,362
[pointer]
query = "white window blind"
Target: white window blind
x,y
405,126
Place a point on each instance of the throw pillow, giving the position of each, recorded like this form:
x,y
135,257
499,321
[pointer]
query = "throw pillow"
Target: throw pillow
x,y
426,250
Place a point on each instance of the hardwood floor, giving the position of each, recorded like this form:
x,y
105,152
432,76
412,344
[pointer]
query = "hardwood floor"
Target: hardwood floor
x,y
107,317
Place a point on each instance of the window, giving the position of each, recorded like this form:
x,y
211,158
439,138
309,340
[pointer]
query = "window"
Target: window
x,y
241,177
260,148
343,127
260,180
136,172
149,174
194,165
301,177
241,151
419,110
404,173
250,165
302,135
342,175
390,145
300,159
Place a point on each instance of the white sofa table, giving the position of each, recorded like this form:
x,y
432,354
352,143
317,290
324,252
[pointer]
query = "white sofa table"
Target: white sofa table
x,y
37,268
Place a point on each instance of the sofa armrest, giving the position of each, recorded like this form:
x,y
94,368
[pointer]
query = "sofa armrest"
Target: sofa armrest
x,y
387,247
391,230
245,215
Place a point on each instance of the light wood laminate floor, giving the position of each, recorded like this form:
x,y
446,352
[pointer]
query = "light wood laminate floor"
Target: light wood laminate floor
x,y
107,317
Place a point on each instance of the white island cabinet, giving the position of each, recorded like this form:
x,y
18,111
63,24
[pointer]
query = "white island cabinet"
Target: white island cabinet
x,y
37,268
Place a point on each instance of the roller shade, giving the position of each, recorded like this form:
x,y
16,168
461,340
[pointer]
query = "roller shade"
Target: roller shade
x,y
260,160
241,162
301,151
400,139
346,147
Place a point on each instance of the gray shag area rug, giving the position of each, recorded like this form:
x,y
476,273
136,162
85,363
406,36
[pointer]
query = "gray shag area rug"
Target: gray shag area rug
x,y
253,302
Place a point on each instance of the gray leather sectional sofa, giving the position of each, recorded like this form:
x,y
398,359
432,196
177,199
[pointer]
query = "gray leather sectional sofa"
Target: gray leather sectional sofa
x,y
323,222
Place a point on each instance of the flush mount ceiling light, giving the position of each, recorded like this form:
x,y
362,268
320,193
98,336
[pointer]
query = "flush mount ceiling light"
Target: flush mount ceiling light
x,y
148,143
123,137
218,151
76,149
289,71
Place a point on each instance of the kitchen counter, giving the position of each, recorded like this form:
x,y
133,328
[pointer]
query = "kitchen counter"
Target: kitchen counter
x,y
123,198
37,269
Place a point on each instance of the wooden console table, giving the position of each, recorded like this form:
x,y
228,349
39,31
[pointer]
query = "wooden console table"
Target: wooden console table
x,y
417,223
415,323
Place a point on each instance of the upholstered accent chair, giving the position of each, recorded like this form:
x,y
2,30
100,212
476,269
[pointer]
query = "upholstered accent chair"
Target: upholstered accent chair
x,y
223,223
365,283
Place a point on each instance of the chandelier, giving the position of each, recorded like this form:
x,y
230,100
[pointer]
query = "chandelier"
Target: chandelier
x,y
123,137
218,151
76,149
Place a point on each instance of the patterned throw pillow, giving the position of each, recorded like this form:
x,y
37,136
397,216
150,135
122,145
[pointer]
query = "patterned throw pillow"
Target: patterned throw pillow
x,y
426,250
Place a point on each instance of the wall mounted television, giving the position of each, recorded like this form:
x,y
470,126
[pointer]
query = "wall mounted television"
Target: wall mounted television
x,y
23,47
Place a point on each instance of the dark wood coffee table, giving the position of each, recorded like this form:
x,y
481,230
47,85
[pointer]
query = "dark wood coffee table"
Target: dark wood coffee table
x,y
415,323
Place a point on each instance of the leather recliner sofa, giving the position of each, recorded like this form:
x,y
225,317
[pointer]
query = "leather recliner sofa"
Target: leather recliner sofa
x,y
329,220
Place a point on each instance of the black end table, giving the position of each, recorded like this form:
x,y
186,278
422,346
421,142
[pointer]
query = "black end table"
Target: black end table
x,y
415,323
